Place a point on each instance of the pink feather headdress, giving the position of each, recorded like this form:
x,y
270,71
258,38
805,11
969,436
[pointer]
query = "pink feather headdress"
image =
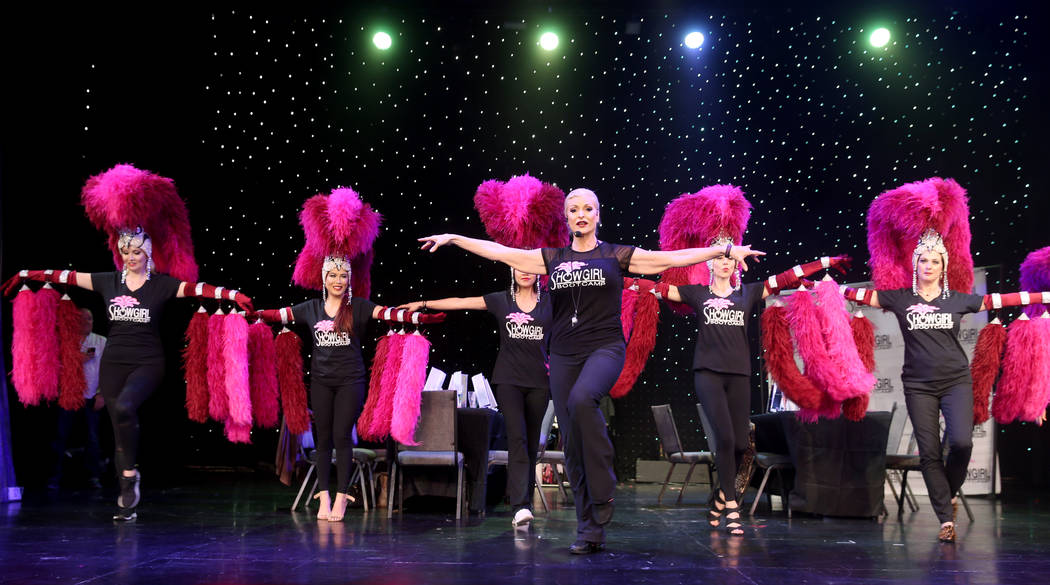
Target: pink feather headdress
x,y
1035,277
900,218
339,228
523,212
124,199
695,220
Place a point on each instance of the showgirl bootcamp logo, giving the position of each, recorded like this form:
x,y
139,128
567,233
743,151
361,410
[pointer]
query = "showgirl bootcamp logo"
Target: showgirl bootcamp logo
x,y
123,308
570,274
518,327
717,312
921,316
883,386
325,335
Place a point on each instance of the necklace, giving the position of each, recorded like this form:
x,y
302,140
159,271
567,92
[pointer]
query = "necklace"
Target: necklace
x,y
575,291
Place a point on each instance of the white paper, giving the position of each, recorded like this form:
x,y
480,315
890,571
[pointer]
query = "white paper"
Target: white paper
x,y
484,392
435,380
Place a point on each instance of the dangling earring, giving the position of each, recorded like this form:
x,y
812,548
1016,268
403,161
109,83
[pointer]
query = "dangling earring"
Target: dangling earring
x,y
124,274
149,268
513,287
537,289
324,293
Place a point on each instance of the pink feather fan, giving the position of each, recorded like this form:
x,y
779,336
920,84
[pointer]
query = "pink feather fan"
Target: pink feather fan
x,y
262,357
1015,383
364,422
217,401
780,360
238,380
853,378
22,348
379,427
984,369
898,217
125,197
195,364
290,381
71,380
410,380
337,224
46,363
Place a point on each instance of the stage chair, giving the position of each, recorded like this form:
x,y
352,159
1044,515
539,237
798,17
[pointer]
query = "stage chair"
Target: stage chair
x,y
364,463
436,435
668,433
556,459
771,462
896,460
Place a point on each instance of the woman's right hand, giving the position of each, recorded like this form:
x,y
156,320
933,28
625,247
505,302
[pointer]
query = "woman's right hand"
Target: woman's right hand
x,y
414,307
432,243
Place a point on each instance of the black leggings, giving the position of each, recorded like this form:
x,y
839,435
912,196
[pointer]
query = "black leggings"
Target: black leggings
x,y
125,387
943,476
577,384
726,400
523,410
336,408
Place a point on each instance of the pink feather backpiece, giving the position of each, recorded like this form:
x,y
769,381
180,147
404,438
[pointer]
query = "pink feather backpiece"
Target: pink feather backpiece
x,y
46,361
71,380
379,427
364,422
262,357
643,339
898,217
852,378
693,220
22,348
780,360
337,224
238,378
984,369
1035,277
1015,382
410,380
195,364
290,381
125,197
217,401
523,212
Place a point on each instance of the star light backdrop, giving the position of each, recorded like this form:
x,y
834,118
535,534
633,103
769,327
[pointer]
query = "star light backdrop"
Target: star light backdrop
x,y
251,111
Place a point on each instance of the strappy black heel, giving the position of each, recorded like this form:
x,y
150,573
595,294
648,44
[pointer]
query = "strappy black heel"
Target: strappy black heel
x,y
714,513
733,524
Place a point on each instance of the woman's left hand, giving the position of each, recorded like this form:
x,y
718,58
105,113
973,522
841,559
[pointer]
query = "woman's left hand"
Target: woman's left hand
x,y
742,253
432,243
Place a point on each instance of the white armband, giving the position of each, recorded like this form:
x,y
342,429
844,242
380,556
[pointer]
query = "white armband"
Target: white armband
x,y
1026,299
798,271
825,261
997,301
63,277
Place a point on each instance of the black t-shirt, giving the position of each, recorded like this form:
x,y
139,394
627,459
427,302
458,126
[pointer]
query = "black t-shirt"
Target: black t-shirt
x,y
721,341
933,357
586,287
522,359
336,356
134,316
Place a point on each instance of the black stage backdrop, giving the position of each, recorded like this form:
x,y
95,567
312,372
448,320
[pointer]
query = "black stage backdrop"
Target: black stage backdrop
x,y
252,110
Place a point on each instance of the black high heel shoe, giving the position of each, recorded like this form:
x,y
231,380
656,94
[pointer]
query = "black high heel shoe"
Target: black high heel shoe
x,y
714,513
733,524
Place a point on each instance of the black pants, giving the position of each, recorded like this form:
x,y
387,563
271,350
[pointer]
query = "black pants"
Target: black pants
x,y
943,475
92,453
125,387
336,408
726,400
577,384
523,409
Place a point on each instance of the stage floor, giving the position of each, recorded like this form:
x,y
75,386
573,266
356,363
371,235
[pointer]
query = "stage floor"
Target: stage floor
x,y
227,528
